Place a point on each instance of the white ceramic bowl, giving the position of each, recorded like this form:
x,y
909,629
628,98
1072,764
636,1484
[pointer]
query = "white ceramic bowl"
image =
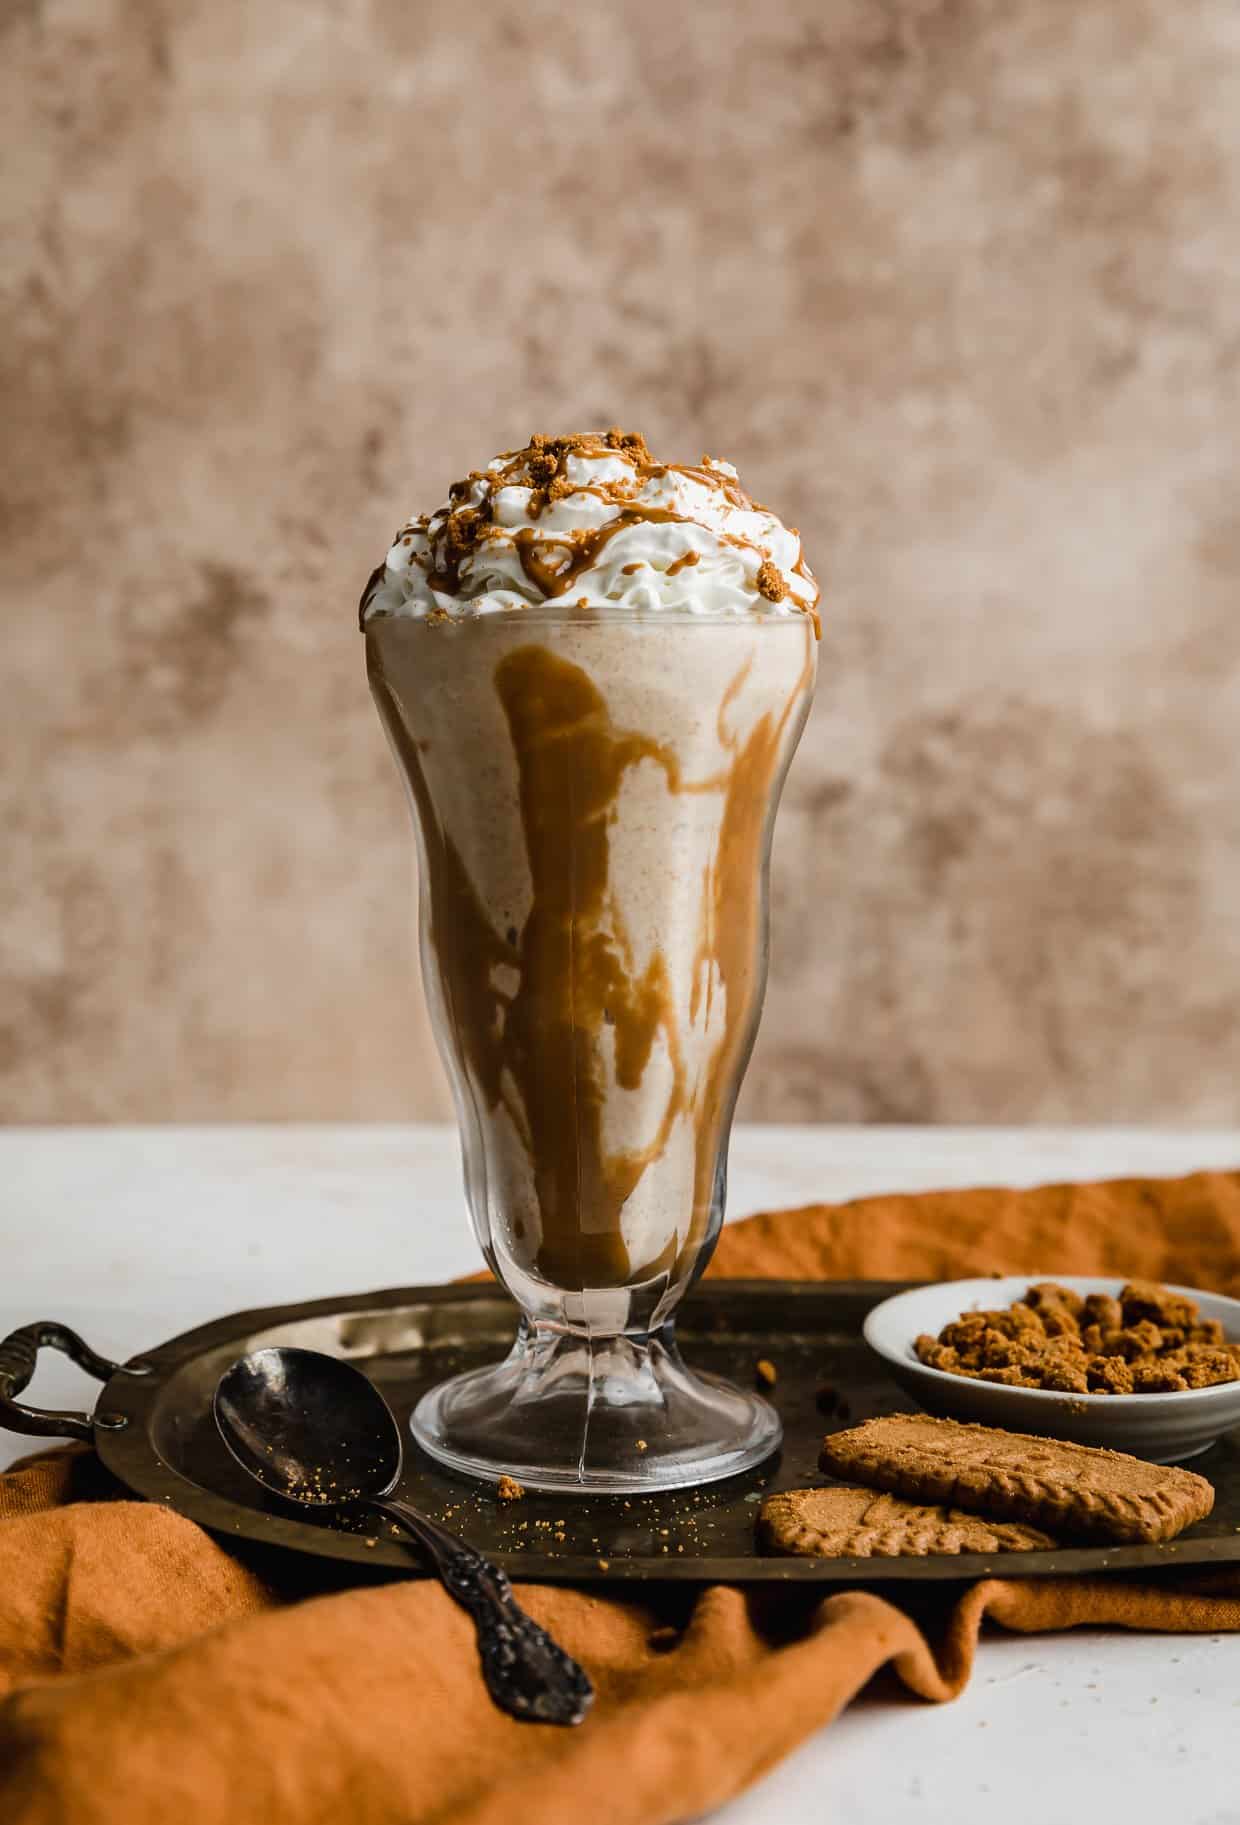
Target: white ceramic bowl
x,y
1163,1427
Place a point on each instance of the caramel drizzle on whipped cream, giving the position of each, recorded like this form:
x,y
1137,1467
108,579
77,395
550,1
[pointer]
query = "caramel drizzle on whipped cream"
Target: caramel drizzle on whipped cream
x,y
553,561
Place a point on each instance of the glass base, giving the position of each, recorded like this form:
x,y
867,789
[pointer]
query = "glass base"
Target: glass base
x,y
567,1411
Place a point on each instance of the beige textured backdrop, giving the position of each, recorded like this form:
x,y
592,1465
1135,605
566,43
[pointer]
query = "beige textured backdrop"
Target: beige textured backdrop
x,y
955,282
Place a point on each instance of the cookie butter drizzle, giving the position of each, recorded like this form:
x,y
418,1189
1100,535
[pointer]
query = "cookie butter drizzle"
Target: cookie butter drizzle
x,y
441,545
538,1050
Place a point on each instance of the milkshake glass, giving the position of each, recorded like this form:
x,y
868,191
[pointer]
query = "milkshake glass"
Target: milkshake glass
x,y
593,783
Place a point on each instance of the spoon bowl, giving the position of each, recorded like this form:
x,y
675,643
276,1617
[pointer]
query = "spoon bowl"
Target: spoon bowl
x,y
309,1427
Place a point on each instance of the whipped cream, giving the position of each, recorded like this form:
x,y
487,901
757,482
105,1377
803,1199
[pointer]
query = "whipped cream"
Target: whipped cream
x,y
593,522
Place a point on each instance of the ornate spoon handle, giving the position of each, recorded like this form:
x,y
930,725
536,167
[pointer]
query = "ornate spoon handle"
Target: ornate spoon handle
x,y
526,1672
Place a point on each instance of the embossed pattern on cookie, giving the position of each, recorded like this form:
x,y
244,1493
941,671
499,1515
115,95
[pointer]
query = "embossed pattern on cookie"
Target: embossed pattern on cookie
x,y
868,1524
1078,1491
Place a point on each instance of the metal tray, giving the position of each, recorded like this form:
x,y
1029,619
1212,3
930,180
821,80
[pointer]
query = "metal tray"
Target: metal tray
x,y
153,1429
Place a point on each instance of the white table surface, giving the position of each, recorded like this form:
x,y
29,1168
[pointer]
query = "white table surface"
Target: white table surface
x,y
132,1235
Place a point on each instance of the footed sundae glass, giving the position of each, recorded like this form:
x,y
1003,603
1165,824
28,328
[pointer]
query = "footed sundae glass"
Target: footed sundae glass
x,y
594,785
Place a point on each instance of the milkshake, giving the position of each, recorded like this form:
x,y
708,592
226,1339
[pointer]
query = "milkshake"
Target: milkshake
x,y
593,669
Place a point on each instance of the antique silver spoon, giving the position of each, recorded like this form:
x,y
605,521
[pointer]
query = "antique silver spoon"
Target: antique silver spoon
x,y
315,1430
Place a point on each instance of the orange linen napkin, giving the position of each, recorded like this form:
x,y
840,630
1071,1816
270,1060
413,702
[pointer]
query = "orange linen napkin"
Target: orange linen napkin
x,y
150,1677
